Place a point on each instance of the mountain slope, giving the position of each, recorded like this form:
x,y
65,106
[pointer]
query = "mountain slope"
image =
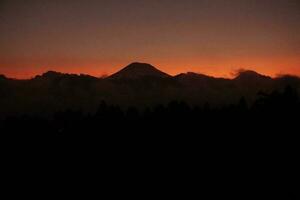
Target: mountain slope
x,y
138,70
251,76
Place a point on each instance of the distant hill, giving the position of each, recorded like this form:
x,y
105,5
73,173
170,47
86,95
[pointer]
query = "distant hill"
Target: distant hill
x,y
2,77
138,84
249,75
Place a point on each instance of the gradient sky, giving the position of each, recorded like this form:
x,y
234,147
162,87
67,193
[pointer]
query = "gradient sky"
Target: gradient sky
x,y
97,37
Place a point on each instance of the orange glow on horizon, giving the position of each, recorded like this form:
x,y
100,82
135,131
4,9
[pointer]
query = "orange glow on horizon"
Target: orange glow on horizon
x,y
217,68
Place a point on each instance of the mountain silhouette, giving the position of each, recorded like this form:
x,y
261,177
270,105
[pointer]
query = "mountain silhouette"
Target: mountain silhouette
x,y
138,70
50,75
192,75
138,84
249,81
249,75
2,77
190,78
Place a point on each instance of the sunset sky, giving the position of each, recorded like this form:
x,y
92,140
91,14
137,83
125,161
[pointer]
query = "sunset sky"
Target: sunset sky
x,y
97,37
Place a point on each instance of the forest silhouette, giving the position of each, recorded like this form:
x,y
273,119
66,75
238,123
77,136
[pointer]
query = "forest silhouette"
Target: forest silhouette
x,y
271,115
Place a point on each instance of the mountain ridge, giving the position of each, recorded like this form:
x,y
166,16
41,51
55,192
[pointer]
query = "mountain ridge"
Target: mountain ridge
x,y
140,70
54,91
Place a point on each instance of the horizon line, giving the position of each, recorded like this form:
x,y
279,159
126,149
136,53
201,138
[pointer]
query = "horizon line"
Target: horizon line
x,y
233,74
